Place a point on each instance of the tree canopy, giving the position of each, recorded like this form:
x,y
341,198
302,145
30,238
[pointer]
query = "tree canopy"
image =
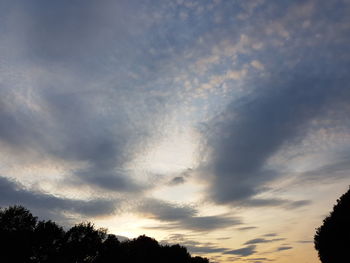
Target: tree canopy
x,y
332,239
25,239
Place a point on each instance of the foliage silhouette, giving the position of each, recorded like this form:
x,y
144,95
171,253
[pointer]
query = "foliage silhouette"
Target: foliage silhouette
x,y
332,239
25,239
177,253
82,243
17,227
47,243
110,250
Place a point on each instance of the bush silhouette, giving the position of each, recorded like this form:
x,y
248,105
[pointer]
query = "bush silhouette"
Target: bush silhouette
x,y
25,239
332,239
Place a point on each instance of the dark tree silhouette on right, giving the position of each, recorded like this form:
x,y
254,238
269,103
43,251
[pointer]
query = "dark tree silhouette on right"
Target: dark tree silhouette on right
x,y
332,239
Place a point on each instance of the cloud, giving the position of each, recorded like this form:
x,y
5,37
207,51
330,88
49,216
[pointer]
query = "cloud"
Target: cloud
x,y
68,128
247,228
259,260
164,211
305,242
205,223
177,180
252,129
205,249
278,110
283,248
274,202
262,240
194,246
88,84
86,89
12,193
270,235
182,216
87,28
182,178
338,169
257,65
243,252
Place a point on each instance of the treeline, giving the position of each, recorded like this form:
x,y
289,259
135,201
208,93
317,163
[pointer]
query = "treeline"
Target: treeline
x,y
25,239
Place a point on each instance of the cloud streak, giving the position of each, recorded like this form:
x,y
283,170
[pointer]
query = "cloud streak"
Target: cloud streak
x,y
243,252
182,216
262,240
283,248
194,246
12,193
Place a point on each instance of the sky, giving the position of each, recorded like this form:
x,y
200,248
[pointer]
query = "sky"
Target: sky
x,y
222,125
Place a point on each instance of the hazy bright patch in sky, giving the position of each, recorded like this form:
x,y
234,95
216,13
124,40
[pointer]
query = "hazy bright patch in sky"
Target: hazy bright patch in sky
x,y
221,125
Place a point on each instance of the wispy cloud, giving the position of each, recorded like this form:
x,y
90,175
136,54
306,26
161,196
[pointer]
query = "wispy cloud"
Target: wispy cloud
x,y
183,216
194,246
243,252
283,248
262,240
247,228
46,204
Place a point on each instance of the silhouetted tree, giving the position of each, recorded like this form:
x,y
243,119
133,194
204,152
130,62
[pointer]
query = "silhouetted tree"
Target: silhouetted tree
x,y
82,243
199,260
176,253
110,250
144,249
25,240
332,239
48,241
17,227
